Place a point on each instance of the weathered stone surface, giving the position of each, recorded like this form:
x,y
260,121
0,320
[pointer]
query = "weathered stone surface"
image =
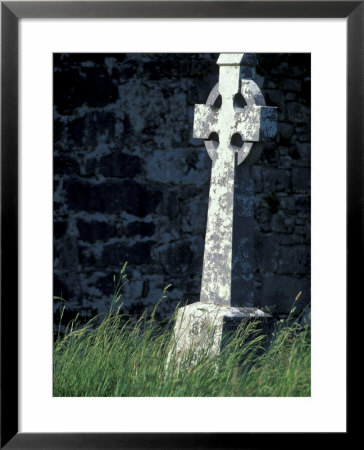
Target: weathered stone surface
x,y
201,329
179,258
228,261
283,223
90,86
275,180
300,180
145,115
293,260
264,216
139,228
292,239
285,132
290,96
303,133
292,85
275,97
271,200
269,294
174,66
303,156
270,156
171,168
59,229
94,230
119,164
116,254
67,252
65,165
298,113
257,178
89,129
171,204
266,253
130,196
194,214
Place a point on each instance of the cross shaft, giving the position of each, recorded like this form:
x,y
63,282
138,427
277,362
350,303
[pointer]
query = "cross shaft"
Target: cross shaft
x,y
228,267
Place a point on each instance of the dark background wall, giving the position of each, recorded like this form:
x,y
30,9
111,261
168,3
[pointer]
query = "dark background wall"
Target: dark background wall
x,y
131,183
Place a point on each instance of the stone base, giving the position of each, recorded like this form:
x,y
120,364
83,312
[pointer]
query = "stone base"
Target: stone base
x,y
201,329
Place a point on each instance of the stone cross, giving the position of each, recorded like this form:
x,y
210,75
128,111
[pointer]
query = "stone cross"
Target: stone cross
x,y
232,122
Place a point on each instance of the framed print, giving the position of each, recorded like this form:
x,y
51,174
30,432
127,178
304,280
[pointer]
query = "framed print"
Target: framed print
x,y
103,162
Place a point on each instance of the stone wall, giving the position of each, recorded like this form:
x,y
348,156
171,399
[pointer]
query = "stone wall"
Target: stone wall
x,y
131,184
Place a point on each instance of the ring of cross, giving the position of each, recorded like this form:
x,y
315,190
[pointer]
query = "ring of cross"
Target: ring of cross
x,y
252,95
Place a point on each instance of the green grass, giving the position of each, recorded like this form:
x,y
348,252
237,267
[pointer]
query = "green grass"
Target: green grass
x,y
119,356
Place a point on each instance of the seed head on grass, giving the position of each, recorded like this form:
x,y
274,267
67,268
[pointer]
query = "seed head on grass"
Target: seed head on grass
x,y
116,355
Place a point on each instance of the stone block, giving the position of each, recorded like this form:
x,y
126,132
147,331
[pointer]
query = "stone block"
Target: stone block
x,y
301,155
291,239
279,291
170,205
192,286
90,167
89,129
69,93
290,96
291,85
139,228
275,180
303,135
116,254
300,180
264,219
60,288
266,249
94,230
270,85
201,330
174,68
298,113
283,223
303,203
269,156
59,228
258,178
276,98
194,215
100,89
285,132
112,196
65,165
119,164
273,202
304,231
288,203
294,260
181,257
90,85
104,282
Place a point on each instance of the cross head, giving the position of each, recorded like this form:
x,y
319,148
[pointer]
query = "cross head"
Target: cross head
x,y
243,118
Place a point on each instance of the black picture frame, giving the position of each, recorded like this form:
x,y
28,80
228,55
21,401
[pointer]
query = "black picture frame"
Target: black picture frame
x,y
11,12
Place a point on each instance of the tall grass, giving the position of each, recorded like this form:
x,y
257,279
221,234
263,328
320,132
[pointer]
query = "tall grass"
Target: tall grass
x,y
118,356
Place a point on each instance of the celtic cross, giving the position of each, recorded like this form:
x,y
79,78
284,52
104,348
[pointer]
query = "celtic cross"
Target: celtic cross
x,y
232,122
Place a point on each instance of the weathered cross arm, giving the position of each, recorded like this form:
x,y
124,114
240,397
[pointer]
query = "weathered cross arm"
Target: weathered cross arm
x,y
253,123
